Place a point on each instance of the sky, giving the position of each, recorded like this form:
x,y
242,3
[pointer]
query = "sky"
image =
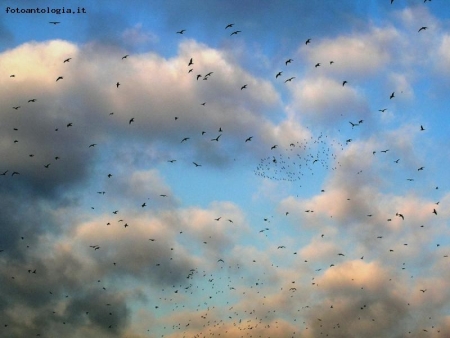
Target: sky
x,y
225,169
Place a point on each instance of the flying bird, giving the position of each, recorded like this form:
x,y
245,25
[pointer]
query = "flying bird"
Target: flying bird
x,y
117,84
278,74
249,139
125,56
290,79
422,29
216,139
244,86
392,95
197,165
288,61
185,139
131,120
67,60
229,25
317,65
54,22
59,78
181,32
190,62
235,33
307,41
343,83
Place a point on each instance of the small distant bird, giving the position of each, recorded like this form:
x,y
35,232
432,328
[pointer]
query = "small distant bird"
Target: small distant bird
x,y
382,110
421,168
288,61
69,125
423,290
422,128
249,139
435,212
181,32
229,25
54,22
235,33
278,74
16,107
92,145
117,84
217,219
125,56
32,100
343,83
199,76
59,78
185,139
422,29
290,79
331,62
392,95
273,147
317,65
197,165
191,62
67,60
12,75
131,120
216,139
307,41
244,86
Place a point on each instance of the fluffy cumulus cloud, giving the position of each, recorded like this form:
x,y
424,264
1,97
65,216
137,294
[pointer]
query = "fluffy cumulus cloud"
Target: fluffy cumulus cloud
x,y
158,184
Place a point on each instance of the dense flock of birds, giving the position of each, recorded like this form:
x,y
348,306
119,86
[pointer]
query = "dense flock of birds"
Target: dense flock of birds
x,y
213,293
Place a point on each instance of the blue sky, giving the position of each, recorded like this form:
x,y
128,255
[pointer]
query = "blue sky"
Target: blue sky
x,y
142,197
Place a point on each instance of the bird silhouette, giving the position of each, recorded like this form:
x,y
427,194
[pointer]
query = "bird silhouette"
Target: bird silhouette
x,y
422,28
131,120
308,41
67,60
288,61
181,31
244,86
125,56
235,33
229,25
392,95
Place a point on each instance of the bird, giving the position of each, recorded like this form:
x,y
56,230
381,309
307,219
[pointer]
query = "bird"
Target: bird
x,y
217,219
422,29
185,139
216,139
249,139
400,215
92,145
423,290
59,78
67,60
343,83
392,95
278,74
229,25
273,147
15,173
435,212
382,110
131,120
235,33
32,100
290,79
117,84
307,41
421,168
17,107
181,32
244,86
317,65
288,61
125,56
197,165
4,173
422,128
69,125
54,22
191,62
